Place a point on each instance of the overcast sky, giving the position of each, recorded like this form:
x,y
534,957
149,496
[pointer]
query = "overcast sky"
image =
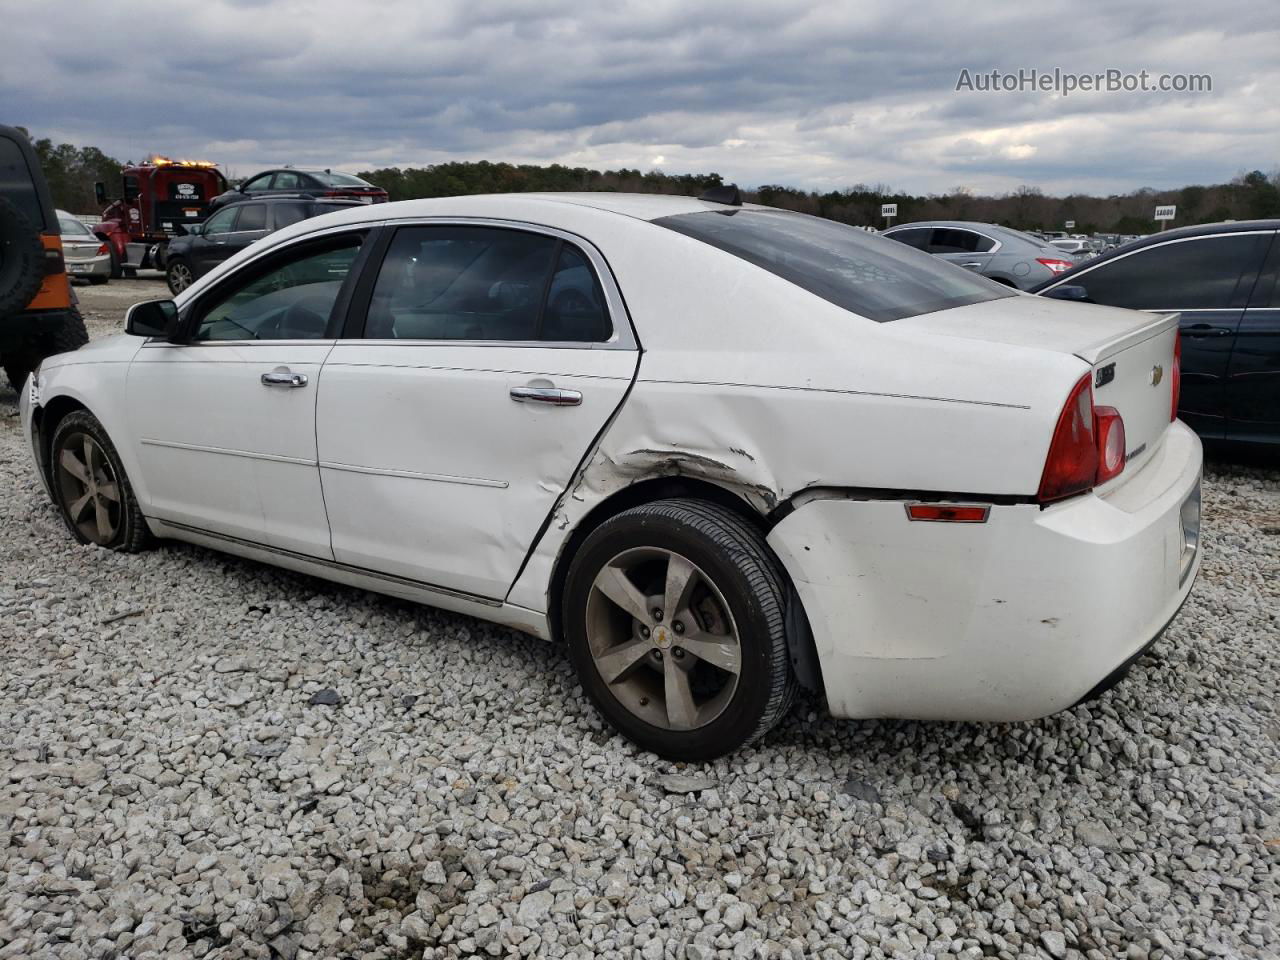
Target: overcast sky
x,y
814,95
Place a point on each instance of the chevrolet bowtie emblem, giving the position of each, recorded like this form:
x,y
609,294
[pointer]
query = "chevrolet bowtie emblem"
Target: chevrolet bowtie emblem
x,y
1157,374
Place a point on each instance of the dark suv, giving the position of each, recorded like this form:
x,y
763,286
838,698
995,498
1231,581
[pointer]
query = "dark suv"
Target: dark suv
x,y
38,313
320,184
231,229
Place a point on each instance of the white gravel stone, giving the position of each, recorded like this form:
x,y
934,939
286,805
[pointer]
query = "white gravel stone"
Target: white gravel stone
x,y
167,791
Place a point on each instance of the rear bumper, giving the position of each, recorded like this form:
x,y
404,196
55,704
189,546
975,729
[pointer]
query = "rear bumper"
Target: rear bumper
x,y
97,266
1011,619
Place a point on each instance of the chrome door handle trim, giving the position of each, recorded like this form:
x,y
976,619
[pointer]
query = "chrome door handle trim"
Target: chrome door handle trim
x,y
552,395
281,379
975,264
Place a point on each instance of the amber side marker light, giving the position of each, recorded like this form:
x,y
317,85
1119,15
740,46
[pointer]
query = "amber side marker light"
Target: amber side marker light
x,y
948,512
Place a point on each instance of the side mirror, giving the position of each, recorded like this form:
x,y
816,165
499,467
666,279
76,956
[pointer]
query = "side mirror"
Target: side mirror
x,y
100,193
1068,291
153,318
191,229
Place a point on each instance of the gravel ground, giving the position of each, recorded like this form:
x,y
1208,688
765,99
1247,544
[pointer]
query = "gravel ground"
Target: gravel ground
x,y
206,757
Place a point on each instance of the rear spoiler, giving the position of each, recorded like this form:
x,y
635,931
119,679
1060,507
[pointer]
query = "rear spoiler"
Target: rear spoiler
x,y
1095,353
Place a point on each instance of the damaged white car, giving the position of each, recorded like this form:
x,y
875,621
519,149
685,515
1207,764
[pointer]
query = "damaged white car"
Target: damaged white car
x,y
720,450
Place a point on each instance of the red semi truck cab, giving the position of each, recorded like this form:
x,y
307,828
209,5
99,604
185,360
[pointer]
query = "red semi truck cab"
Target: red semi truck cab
x,y
156,198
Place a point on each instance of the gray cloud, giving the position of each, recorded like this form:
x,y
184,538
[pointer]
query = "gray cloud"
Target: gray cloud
x,y
821,95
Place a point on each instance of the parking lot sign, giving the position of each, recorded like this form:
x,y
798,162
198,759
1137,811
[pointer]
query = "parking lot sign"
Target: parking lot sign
x,y
1069,225
889,211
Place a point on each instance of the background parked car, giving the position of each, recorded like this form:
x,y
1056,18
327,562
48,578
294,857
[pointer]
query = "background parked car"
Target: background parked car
x,y
1005,255
86,254
1222,279
232,229
319,183
1078,250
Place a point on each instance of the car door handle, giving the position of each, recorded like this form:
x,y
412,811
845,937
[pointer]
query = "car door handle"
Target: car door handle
x,y
283,378
1198,331
974,264
552,395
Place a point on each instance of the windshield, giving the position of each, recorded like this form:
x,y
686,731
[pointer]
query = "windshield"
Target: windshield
x,y
865,274
340,180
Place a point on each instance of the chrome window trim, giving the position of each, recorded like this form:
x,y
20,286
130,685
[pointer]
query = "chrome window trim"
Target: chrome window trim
x,y
1164,243
624,334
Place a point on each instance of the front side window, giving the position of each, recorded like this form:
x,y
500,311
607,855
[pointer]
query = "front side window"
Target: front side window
x,y
917,237
465,283
851,268
1199,274
221,221
291,300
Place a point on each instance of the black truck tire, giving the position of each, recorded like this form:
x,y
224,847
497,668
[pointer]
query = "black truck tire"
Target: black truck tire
x,y
19,361
116,270
21,259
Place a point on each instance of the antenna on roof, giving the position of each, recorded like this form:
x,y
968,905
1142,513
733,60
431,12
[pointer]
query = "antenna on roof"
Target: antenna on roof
x,y
727,194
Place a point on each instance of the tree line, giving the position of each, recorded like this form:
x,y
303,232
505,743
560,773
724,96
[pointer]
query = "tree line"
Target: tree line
x,y
72,171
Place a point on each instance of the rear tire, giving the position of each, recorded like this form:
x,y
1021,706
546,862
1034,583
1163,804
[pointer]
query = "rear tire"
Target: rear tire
x,y
116,270
22,359
21,259
178,275
91,487
700,596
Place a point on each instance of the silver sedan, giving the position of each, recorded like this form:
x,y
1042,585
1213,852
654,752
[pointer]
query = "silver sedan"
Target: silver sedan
x,y
1003,254
86,254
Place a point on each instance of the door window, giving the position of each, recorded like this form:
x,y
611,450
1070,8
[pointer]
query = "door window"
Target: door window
x,y
292,300
1200,274
288,214
461,283
258,183
220,222
917,237
575,310
286,180
1266,293
253,216
951,240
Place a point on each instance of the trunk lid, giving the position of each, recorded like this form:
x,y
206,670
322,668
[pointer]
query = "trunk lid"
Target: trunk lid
x,y
1130,353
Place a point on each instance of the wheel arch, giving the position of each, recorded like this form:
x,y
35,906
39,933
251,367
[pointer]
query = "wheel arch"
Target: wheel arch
x,y
45,419
802,650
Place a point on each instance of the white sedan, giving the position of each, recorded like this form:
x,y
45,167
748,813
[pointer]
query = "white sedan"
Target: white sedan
x,y
719,450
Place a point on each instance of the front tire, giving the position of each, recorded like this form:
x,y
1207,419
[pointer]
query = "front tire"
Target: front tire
x,y
91,487
673,612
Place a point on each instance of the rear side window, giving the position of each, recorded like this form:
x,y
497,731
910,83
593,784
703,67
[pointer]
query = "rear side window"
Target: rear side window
x,y
253,216
484,283
285,181
287,214
1198,274
950,240
845,266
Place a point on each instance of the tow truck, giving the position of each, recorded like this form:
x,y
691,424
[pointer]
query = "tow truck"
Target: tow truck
x,y
157,197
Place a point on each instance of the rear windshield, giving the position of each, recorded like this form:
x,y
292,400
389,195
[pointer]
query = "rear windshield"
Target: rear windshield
x,y
865,274
339,180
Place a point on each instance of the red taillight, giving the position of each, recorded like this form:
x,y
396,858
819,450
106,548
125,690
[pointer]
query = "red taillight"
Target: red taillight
x,y
1072,463
1088,446
103,251
1175,387
1109,427
1057,266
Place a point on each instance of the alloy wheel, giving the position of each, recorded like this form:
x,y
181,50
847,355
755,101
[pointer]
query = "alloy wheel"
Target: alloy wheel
x,y
663,639
89,488
179,277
